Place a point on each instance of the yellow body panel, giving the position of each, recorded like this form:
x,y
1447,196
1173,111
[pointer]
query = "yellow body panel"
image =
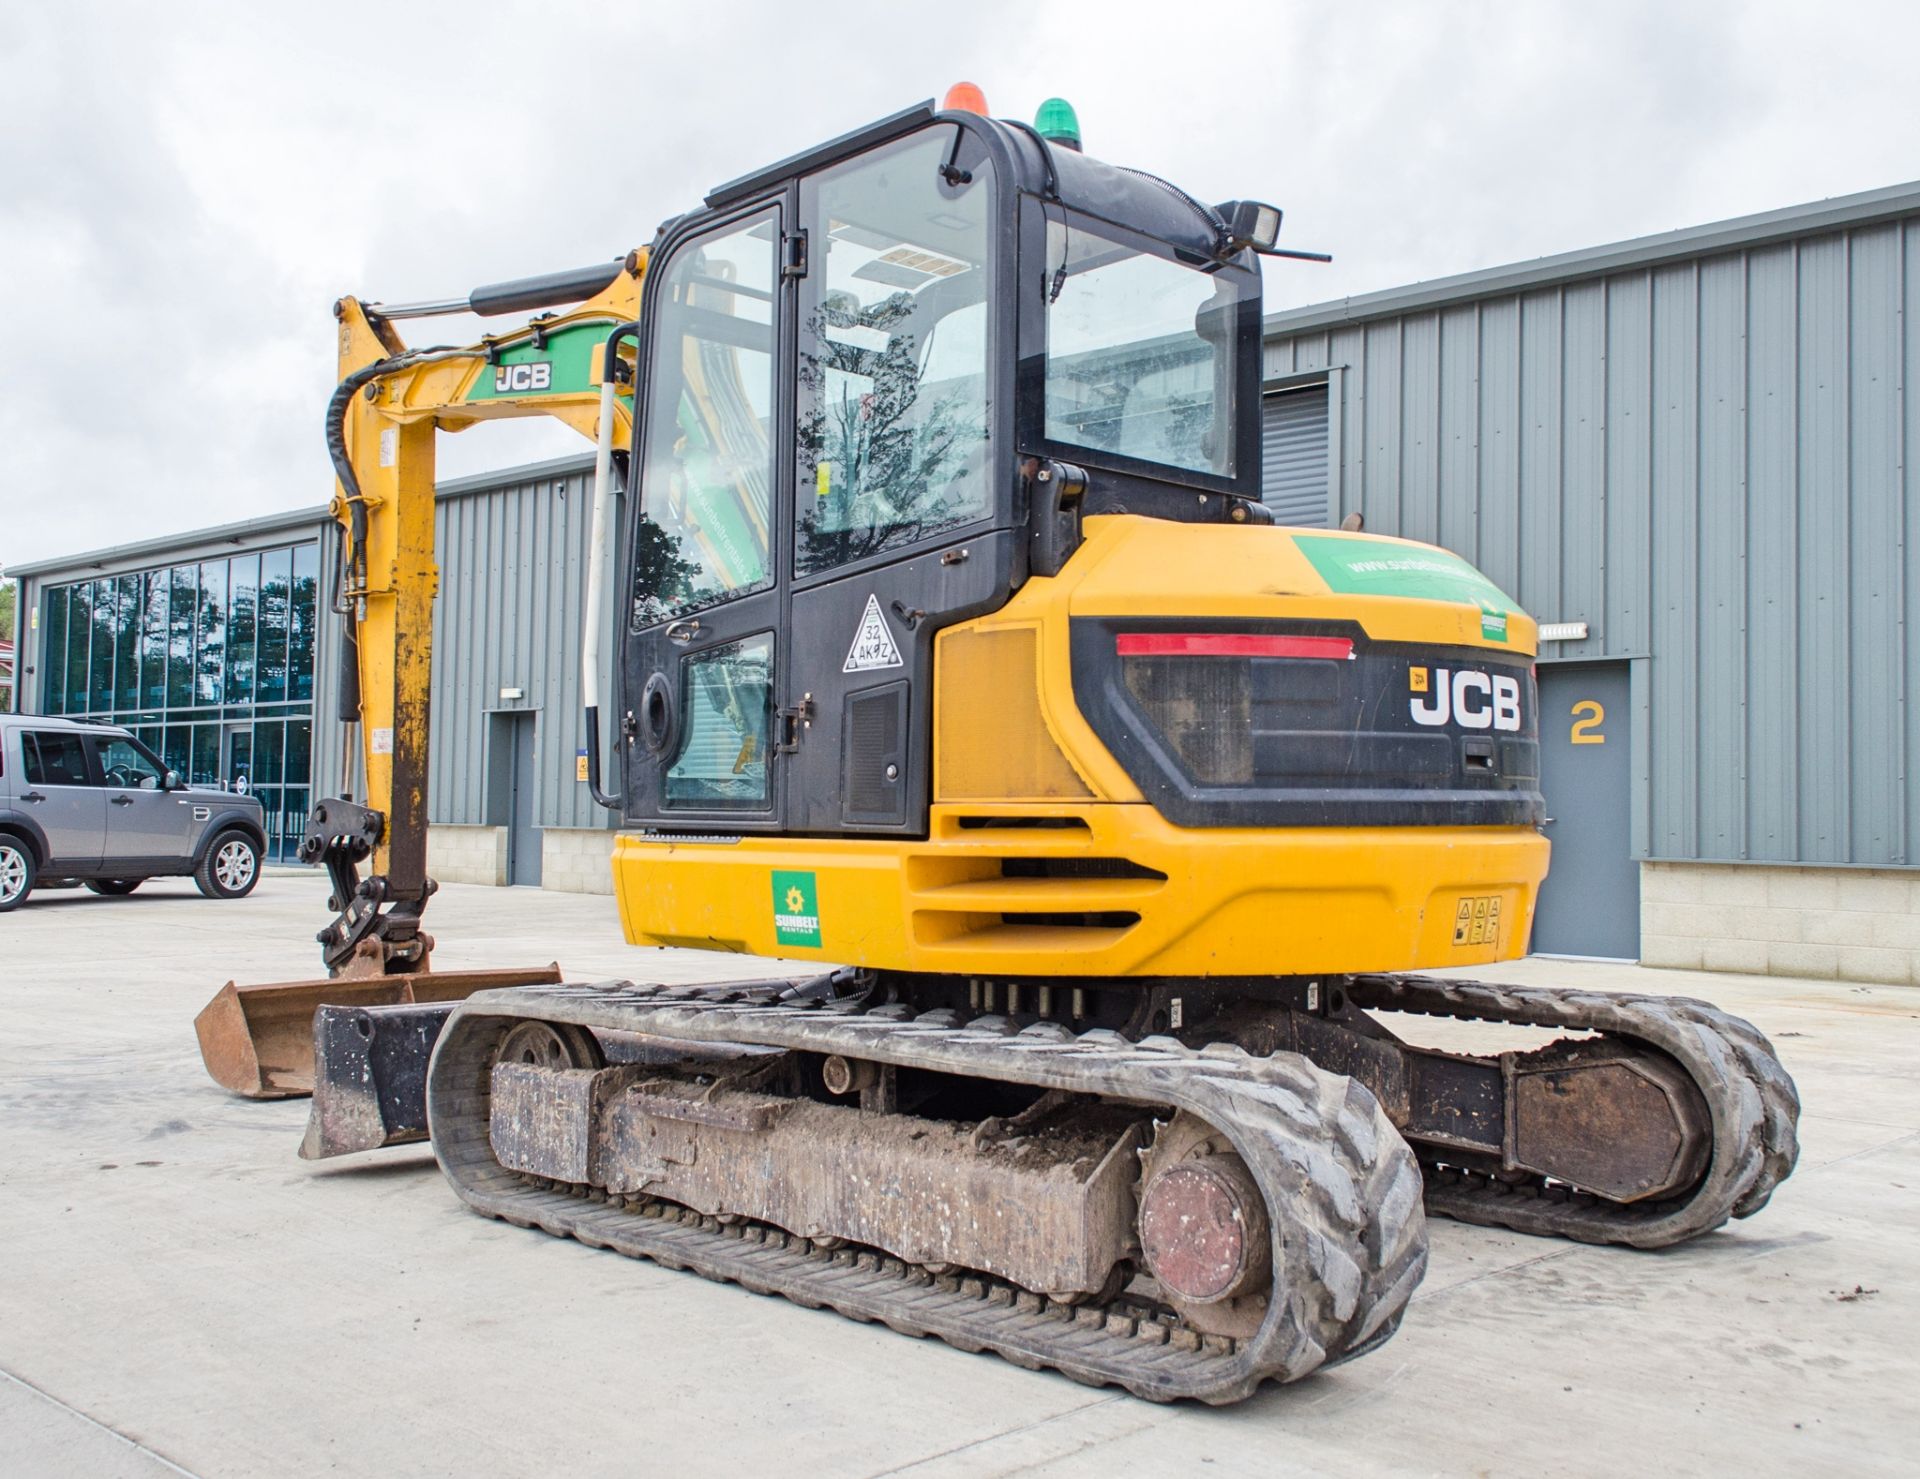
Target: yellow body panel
x,y
1234,901
1259,902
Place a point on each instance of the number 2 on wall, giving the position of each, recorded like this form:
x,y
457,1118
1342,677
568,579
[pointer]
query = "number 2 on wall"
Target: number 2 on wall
x,y
1587,718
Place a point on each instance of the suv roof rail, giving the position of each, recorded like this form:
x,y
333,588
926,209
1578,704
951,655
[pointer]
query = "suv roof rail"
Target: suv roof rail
x,y
65,718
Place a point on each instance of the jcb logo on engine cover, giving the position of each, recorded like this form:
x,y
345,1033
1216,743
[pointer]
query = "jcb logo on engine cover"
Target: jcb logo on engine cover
x,y
512,379
1465,696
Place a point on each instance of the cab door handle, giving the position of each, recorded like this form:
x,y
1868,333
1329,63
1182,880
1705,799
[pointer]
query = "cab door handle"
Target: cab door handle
x,y
123,801
33,796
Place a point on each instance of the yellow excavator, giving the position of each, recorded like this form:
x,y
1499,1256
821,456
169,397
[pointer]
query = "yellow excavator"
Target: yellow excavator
x,y
958,652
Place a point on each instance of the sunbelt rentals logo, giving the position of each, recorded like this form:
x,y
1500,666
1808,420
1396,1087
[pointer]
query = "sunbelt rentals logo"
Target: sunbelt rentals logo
x,y
796,909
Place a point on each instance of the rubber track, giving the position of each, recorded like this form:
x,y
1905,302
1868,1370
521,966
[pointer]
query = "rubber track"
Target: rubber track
x,y
1341,1185
1753,1104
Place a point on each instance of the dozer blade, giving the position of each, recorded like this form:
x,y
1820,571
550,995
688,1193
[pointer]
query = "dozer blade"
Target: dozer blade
x,y
258,1040
370,1076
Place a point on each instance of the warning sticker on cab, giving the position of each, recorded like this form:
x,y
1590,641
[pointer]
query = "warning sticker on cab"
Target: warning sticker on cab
x,y
796,909
873,645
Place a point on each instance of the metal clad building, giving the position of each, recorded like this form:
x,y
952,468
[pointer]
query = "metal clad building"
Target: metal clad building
x,y
1697,445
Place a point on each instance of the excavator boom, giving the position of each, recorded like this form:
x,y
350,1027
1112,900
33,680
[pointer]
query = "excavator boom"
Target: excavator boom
x,y
259,1040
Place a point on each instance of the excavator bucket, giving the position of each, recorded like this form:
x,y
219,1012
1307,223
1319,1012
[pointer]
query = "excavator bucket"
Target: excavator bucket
x,y
259,1040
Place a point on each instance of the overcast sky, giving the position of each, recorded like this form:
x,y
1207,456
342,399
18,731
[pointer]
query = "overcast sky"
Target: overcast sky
x,y
185,188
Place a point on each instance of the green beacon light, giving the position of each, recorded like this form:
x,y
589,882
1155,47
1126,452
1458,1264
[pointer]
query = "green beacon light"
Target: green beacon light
x,y
1057,123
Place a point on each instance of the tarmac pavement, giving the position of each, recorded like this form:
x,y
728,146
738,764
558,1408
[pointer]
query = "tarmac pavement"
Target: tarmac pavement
x,y
180,1293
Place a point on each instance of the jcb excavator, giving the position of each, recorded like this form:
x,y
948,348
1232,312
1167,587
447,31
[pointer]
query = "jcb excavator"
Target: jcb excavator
x,y
958,650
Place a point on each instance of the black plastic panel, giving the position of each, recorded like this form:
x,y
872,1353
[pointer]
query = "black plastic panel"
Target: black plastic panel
x,y
1313,741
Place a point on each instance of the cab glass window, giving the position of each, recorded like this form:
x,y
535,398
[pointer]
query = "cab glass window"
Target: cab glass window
x,y
55,760
893,353
1140,352
726,698
707,455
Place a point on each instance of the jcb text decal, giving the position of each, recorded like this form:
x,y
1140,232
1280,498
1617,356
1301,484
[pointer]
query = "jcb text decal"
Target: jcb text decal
x,y
511,379
1465,696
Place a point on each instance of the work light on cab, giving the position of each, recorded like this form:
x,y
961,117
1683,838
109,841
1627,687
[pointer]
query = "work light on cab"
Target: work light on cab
x,y
1057,123
964,97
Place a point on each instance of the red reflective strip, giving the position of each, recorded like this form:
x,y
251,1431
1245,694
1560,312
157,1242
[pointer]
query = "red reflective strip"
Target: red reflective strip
x,y
1228,644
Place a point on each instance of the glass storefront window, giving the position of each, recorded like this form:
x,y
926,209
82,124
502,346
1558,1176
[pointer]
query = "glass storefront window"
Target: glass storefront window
x,y
100,678
299,753
210,634
211,665
186,594
243,596
54,665
177,748
269,751
126,642
153,642
79,629
300,627
276,574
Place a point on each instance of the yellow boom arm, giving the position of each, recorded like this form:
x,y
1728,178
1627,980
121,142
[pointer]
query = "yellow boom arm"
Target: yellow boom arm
x,y
380,429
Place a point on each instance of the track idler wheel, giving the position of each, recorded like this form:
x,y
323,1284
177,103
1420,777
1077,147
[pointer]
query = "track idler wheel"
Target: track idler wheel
x,y
551,1045
1204,1230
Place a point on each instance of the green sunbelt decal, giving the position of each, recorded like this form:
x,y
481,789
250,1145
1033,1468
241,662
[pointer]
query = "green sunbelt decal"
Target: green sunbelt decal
x,y
796,909
1357,567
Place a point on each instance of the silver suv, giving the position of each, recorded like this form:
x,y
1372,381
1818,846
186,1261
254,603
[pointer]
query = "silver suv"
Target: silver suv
x,y
84,802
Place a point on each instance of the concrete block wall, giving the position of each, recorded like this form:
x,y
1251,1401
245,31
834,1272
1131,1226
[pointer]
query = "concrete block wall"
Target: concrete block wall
x,y
1847,924
467,854
576,860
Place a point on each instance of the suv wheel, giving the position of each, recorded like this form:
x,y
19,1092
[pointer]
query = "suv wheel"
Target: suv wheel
x,y
230,867
114,887
16,872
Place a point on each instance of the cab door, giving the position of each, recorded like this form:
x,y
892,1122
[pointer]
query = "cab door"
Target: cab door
x,y
705,635
900,477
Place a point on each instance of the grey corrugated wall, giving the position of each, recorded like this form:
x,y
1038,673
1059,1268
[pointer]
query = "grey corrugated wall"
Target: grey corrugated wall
x,y
1293,456
1706,460
513,566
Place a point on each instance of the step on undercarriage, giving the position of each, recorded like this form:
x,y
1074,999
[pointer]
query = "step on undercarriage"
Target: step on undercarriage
x,y
1186,1212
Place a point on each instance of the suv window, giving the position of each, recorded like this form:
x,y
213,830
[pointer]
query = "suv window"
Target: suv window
x,y
55,760
124,765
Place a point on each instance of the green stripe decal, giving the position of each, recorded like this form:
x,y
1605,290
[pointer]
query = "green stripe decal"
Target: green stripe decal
x,y
563,366
1364,567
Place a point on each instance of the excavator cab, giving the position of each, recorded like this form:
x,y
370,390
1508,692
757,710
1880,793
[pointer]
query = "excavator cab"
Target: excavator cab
x,y
879,382
956,637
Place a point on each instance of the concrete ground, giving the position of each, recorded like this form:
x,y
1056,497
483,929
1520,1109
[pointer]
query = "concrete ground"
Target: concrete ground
x,y
179,1293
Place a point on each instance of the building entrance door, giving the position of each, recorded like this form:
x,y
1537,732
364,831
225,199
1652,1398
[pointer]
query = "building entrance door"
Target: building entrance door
x,y
236,766
1590,903
523,838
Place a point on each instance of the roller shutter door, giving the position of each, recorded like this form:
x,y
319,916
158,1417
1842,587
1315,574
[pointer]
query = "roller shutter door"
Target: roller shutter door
x,y
1294,456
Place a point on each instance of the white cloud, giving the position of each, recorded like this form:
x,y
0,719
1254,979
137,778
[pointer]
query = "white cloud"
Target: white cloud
x,y
185,189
